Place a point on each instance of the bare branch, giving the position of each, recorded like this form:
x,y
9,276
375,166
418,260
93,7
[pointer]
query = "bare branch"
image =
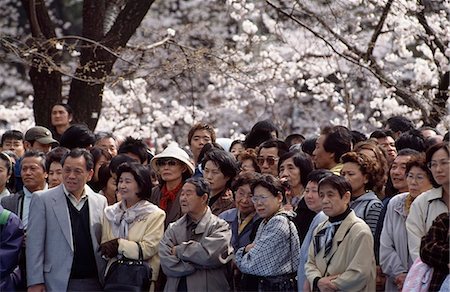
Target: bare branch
x,y
423,21
378,28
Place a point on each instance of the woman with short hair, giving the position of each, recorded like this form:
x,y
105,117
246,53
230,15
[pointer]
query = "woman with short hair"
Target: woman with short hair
x,y
133,223
273,255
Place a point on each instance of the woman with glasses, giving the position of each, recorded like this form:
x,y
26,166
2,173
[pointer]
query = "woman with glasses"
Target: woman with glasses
x,y
360,170
273,255
243,221
395,260
431,203
173,166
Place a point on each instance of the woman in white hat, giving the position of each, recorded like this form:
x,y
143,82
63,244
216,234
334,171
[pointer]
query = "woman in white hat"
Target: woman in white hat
x,y
173,166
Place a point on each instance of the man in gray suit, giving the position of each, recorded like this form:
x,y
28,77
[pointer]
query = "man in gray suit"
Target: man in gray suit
x,y
65,231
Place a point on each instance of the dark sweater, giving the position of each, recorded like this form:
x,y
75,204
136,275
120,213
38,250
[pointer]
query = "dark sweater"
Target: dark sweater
x,y
84,265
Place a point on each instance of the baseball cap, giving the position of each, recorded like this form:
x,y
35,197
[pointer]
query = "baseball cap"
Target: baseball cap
x,y
40,134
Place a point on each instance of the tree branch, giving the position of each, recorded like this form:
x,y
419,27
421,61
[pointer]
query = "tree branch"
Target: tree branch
x,y
378,28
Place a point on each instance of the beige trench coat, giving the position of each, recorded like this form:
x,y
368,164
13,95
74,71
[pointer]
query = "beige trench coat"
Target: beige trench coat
x,y
353,260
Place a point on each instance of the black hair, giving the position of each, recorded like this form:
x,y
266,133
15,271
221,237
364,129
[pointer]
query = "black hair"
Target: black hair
x,y
77,136
134,146
118,160
103,176
141,175
412,139
260,132
80,152
67,107
98,152
225,161
207,147
379,134
338,141
55,155
302,161
399,123
292,137
234,143
12,135
408,152
36,154
201,186
309,145
279,144
337,182
318,174
271,183
358,137
433,149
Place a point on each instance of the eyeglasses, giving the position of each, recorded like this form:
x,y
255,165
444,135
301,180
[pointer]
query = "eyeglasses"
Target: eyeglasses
x,y
164,162
256,199
418,178
270,160
435,164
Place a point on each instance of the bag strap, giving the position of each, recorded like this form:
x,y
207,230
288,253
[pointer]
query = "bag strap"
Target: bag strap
x,y
141,254
4,216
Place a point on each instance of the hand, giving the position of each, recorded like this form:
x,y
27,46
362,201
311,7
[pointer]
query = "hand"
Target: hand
x,y
174,250
399,280
325,284
306,286
110,248
248,247
36,288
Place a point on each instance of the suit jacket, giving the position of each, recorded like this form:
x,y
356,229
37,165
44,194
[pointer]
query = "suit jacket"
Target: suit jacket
x,y
12,203
50,245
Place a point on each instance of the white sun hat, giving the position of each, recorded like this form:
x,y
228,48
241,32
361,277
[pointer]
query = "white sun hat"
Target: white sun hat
x,y
173,151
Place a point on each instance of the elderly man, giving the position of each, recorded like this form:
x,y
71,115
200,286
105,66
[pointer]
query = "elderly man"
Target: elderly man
x,y
65,231
196,248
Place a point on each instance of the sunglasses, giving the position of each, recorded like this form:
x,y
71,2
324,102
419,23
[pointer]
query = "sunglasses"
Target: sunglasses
x,y
270,160
164,162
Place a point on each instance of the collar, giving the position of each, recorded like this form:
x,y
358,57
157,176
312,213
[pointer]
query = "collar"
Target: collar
x,y
27,193
341,216
69,194
434,194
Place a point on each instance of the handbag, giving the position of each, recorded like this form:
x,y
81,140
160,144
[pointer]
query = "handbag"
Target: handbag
x,y
129,275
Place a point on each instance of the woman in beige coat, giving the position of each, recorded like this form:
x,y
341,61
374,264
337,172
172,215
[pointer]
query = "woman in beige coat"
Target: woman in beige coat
x,y
133,220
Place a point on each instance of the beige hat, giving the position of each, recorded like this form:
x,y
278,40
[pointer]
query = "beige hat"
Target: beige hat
x,y
173,151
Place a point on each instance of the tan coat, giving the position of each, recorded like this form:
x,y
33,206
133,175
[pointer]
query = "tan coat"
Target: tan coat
x,y
148,232
202,261
353,260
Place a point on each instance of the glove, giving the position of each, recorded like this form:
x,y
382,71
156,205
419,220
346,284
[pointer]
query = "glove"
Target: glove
x,y
110,248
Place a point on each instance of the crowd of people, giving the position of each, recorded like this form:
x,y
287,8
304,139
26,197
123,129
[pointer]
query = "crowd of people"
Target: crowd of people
x,y
343,211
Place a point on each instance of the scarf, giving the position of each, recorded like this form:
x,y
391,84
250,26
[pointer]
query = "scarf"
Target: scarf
x,y
168,196
408,201
121,218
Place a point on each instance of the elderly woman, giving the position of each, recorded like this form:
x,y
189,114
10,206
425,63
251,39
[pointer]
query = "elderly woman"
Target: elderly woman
x,y
394,255
173,167
133,222
273,255
360,170
243,221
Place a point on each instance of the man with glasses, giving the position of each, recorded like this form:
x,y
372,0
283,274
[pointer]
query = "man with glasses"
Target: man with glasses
x,y
65,226
269,154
